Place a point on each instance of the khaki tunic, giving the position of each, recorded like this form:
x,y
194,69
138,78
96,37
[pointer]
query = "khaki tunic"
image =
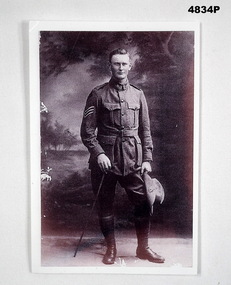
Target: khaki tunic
x,y
116,122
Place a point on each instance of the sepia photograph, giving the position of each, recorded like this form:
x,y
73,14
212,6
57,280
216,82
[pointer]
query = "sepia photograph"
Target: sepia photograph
x,y
114,143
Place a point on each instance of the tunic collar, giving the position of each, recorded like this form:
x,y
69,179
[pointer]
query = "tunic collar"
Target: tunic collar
x,y
118,86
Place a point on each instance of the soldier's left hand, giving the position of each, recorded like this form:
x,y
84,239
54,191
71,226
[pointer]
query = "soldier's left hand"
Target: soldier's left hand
x,y
145,167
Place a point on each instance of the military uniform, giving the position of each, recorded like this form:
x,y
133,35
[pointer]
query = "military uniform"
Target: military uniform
x,y
120,114
116,123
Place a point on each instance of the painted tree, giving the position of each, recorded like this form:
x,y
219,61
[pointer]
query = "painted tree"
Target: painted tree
x,y
69,139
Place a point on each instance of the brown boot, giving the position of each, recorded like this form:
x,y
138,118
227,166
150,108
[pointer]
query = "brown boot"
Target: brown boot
x,y
107,228
143,251
110,255
148,254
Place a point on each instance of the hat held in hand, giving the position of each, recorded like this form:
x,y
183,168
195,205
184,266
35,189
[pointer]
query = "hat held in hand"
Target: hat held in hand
x,y
154,190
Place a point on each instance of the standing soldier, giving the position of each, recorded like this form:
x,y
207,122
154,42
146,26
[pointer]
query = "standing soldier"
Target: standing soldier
x,y
116,131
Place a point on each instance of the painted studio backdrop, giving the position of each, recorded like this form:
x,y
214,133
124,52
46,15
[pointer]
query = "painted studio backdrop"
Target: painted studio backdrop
x,y
71,65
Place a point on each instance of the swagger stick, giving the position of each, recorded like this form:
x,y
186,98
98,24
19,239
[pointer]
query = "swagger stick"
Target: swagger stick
x,y
93,206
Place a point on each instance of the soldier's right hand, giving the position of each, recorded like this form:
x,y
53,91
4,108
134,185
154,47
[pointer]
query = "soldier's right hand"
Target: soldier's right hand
x,y
104,162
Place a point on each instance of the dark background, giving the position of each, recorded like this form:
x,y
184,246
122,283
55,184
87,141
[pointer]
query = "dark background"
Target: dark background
x,y
71,64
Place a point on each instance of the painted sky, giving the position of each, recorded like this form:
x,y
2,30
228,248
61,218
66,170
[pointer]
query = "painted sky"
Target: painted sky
x,y
65,95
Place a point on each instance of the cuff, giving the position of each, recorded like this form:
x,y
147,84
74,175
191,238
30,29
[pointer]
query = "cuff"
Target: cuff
x,y
97,150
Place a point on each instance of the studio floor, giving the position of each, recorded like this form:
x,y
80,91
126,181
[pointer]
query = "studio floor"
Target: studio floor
x,y
58,251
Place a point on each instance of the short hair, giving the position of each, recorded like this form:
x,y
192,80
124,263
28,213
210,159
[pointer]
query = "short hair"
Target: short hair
x,y
118,51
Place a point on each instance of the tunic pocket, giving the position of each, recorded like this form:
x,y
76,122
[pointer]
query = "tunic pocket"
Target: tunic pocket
x,y
133,114
112,113
108,143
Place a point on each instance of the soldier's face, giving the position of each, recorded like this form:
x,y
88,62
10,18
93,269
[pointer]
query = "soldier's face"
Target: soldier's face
x,y
120,65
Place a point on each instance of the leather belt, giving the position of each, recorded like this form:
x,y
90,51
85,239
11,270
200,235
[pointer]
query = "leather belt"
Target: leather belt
x,y
122,133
